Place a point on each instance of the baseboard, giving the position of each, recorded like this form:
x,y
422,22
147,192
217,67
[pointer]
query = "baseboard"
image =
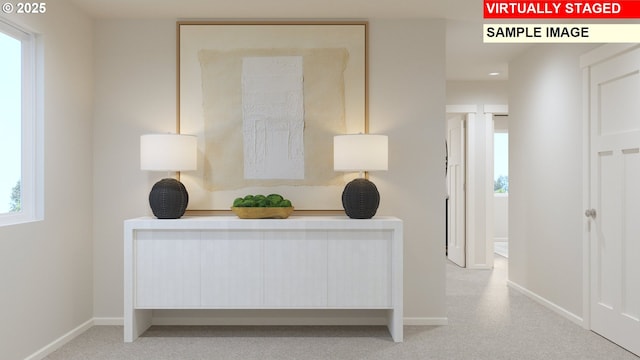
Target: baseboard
x,y
59,342
426,321
411,321
294,322
104,321
265,321
479,267
546,303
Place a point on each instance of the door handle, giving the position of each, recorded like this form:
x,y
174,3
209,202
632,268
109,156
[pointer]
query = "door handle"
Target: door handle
x,y
590,213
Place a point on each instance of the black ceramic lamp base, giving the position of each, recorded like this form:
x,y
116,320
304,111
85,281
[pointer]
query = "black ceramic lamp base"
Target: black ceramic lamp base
x,y
168,199
360,199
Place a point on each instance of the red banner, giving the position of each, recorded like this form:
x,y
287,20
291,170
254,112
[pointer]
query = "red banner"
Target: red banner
x,y
518,9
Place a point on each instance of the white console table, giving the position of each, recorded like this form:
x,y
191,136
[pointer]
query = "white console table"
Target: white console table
x,y
223,262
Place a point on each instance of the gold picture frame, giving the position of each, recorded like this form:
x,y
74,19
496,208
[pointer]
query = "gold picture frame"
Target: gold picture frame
x,y
232,77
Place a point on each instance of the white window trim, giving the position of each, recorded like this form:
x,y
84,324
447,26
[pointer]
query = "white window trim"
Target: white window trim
x,y
32,142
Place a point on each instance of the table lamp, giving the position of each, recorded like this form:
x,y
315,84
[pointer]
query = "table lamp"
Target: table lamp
x,y
360,152
168,152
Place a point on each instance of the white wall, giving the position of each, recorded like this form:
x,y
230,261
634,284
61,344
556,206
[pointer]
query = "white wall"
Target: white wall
x,y
501,217
407,102
545,174
477,92
135,94
46,266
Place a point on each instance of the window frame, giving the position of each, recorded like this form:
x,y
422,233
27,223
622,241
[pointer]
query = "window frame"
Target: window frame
x,y
32,139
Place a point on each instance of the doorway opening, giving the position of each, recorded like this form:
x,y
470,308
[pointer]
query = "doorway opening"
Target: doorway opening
x,y
501,186
470,183
455,173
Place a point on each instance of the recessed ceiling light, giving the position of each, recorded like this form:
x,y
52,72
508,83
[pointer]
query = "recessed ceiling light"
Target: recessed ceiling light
x,y
494,73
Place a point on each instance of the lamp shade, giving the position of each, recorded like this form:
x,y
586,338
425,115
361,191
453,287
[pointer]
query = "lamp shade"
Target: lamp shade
x,y
168,152
360,152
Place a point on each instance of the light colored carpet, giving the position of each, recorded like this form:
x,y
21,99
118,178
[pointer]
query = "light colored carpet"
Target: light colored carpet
x,y
487,320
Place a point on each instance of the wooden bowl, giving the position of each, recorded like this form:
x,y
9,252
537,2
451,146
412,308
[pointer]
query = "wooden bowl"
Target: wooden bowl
x,y
262,212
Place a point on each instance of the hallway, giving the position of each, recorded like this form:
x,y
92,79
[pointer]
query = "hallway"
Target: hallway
x,y
494,321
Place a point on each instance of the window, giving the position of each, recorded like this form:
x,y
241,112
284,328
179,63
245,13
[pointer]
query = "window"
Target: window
x,y
501,162
19,145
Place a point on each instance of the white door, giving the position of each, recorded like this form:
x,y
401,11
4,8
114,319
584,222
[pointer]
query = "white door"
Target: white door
x,y
456,188
615,199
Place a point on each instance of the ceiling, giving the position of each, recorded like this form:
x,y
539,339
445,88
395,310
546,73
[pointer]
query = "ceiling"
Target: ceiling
x,y
468,58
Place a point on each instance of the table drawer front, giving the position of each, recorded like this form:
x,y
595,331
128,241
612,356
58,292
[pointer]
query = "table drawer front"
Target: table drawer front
x,y
263,269
167,273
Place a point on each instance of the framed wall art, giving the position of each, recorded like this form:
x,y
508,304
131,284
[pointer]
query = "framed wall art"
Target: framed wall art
x,y
265,100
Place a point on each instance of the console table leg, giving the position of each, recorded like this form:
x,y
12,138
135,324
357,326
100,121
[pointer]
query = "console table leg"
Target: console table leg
x,y
135,323
395,324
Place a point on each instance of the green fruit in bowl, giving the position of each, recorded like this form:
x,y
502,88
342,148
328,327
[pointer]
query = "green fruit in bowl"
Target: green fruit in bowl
x,y
271,200
248,203
275,198
285,203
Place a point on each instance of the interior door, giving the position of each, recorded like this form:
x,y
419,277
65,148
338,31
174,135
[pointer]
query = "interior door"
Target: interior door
x,y
615,199
456,188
